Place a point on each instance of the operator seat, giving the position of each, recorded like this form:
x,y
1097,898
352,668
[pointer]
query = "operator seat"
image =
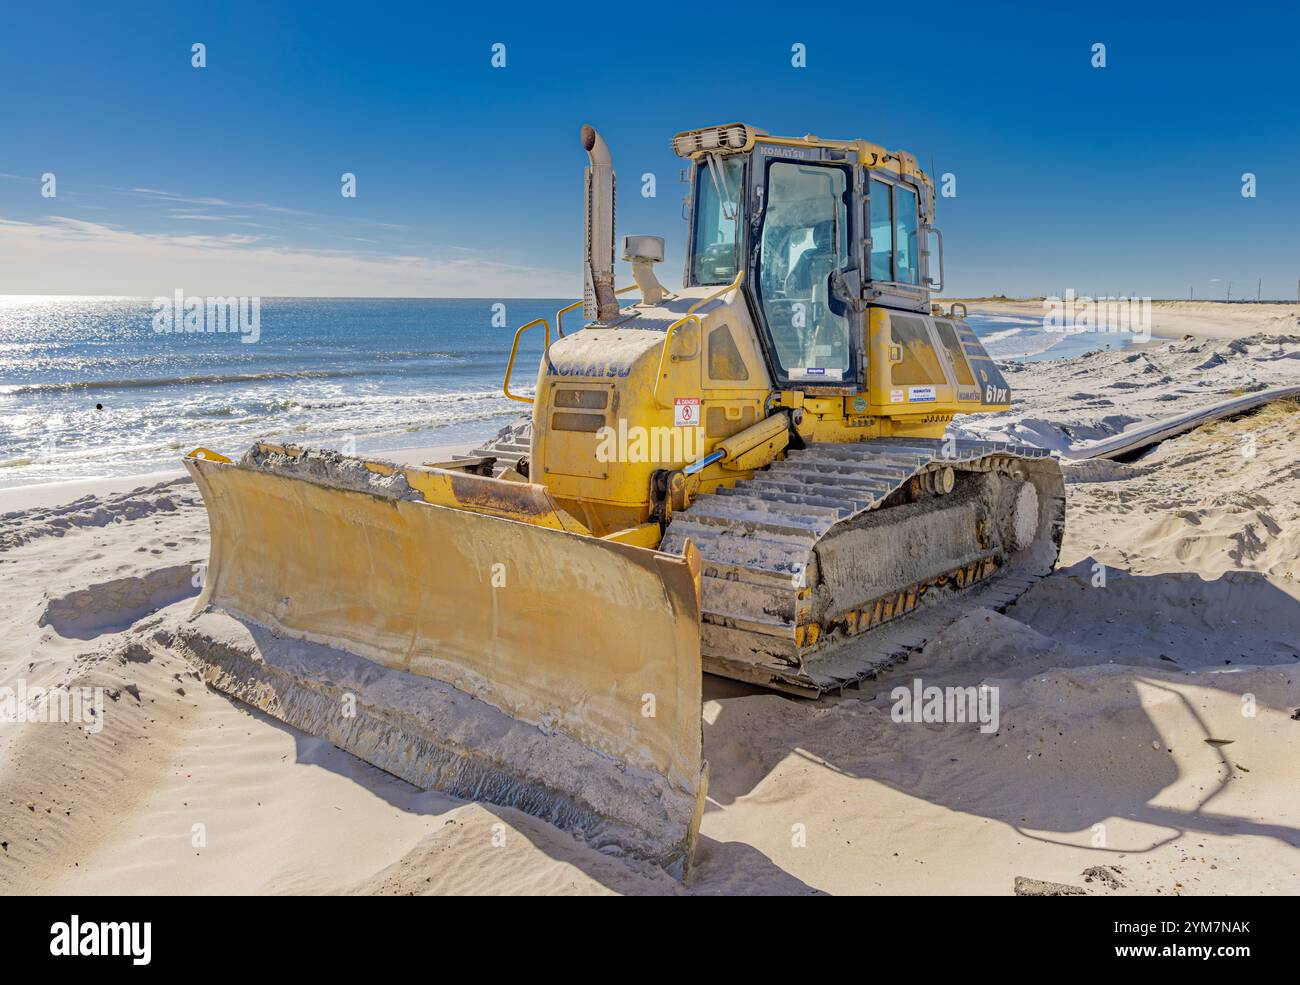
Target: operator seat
x,y
815,264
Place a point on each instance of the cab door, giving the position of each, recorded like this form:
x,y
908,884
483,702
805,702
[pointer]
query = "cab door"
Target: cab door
x,y
803,259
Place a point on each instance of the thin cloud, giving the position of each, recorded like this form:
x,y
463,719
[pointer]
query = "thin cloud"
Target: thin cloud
x,y
166,196
65,255
234,220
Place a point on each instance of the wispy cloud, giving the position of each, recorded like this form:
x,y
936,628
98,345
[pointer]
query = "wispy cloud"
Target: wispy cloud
x,y
189,215
165,196
64,255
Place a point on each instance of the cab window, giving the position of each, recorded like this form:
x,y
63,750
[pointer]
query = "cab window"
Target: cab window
x,y
715,253
804,240
882,230
895,250
906,267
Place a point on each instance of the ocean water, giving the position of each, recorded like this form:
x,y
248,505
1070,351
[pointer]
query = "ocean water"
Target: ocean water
x,y
89,388
1024,339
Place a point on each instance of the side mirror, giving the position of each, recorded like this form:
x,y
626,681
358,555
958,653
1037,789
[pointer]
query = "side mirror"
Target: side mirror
x,y
931,282
846,286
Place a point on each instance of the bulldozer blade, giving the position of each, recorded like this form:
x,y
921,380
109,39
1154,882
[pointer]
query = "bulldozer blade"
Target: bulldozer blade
x,y
486,657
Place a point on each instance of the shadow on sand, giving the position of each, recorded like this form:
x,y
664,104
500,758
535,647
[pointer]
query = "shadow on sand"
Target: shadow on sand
x,y
749,732
1106,757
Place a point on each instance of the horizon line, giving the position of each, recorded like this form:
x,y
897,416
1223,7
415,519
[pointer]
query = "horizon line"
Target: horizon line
x,y
977,299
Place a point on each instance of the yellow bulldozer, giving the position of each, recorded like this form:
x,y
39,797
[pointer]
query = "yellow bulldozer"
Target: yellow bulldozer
x,y
748,477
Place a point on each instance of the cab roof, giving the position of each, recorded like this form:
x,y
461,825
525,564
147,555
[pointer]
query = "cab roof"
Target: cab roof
x,y
736,138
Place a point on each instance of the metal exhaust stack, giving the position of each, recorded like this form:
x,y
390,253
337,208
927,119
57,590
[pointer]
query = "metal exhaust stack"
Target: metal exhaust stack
x,y
599,301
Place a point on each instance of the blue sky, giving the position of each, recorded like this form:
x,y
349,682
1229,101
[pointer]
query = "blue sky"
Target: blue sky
x,y
226,179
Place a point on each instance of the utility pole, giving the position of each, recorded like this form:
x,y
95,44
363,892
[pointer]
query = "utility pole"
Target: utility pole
x,y
1258,287
1229,290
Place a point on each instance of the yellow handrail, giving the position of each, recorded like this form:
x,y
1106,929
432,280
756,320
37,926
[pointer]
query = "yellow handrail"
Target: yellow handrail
x,y
716,294
559,315
514,349
663,353
689,316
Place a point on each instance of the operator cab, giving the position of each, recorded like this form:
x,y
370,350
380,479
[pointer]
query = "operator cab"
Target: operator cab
x,y
820,230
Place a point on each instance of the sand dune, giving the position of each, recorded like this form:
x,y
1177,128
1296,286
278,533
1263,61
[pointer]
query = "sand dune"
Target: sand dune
x,y
1148,721
1060,403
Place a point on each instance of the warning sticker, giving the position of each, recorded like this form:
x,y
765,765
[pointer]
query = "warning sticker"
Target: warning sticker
x,y
686,412
895,396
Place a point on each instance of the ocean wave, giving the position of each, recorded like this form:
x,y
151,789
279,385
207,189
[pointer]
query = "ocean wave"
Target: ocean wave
x,y
23,389
381,400
1006,333
1004,320
429,354
152,441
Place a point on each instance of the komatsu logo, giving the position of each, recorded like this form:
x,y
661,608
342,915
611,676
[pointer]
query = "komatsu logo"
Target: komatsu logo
x,y
588,369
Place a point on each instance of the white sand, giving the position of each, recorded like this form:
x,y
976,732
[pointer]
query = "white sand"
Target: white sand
x,y
1109,697
1175,319
1066,402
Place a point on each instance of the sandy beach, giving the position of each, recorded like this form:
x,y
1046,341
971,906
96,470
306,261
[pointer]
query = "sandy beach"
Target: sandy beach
x,y
1150,697
1175,319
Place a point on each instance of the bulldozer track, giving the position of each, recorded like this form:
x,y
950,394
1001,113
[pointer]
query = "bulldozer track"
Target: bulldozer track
x,y
508,446
758,542
759,539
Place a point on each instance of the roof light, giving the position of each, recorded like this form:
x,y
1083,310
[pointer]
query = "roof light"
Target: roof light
x,y
733,136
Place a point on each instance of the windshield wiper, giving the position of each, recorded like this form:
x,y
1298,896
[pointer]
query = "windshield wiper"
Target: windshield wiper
x,y
719,177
